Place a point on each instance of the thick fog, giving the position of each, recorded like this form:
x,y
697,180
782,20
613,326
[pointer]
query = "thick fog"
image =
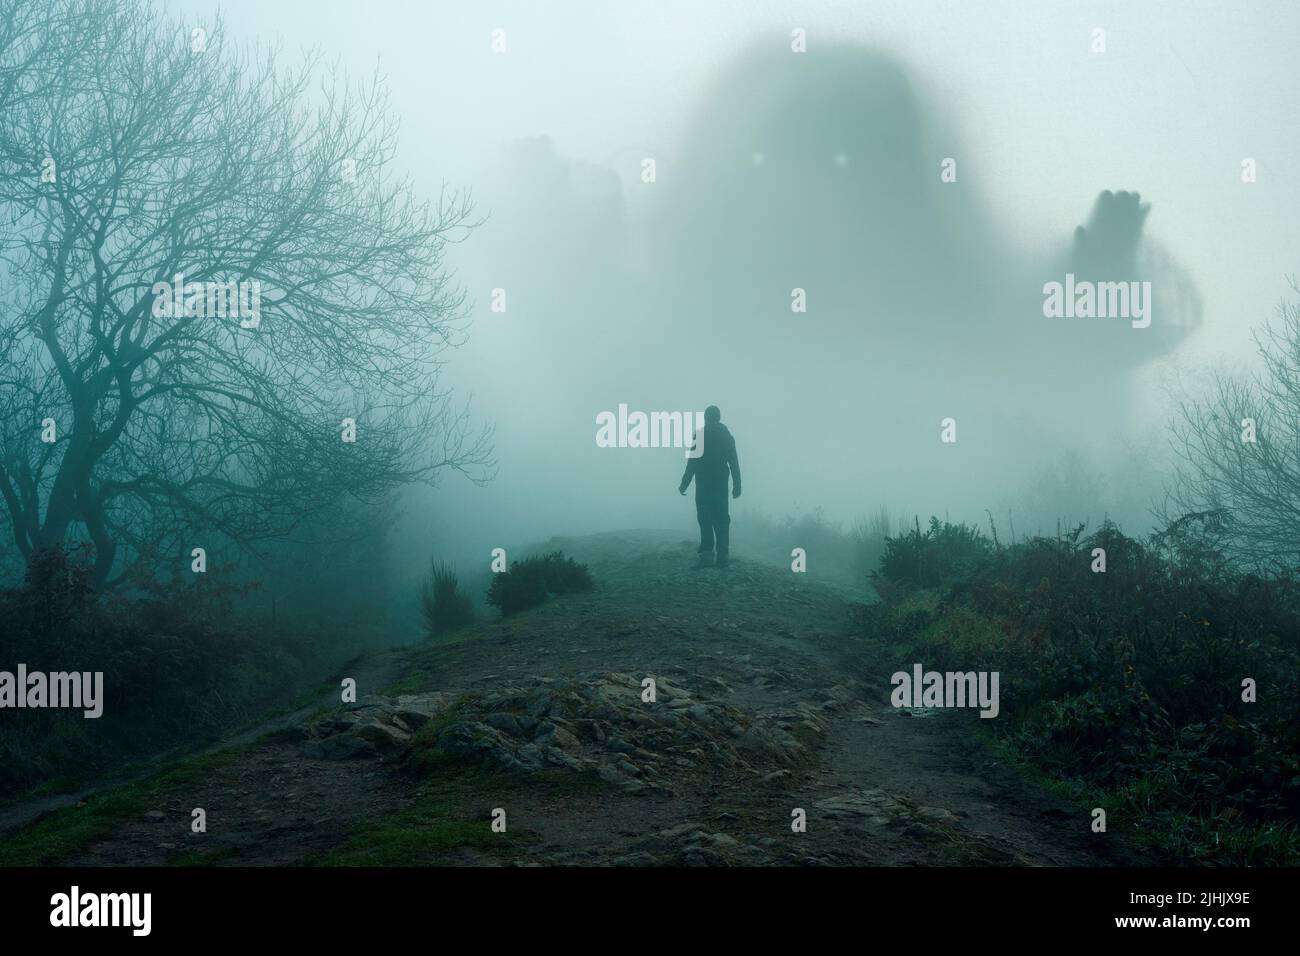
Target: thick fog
x,y
828,171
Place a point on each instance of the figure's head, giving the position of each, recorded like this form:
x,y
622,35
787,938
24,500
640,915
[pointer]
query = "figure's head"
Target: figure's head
x,y
712,415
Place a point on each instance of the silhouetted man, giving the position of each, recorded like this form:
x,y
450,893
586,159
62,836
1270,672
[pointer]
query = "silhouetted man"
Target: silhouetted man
x,y
710,470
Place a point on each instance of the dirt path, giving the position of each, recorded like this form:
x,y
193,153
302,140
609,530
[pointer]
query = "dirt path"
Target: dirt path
x,y
768,709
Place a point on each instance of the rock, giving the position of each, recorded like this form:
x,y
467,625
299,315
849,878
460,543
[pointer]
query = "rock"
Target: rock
x,y
611,774
155,815
414,719
508,723
767,741
936,815
559,758
589,729
873,806
478,742
539,703
553,735
530,755
341,747
566,739
669,691
384,737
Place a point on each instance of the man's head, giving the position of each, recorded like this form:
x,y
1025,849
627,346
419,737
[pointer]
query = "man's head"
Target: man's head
x,y
712,415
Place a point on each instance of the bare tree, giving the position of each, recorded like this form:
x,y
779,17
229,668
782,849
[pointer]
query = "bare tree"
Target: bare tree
x,y
207,264
1238,454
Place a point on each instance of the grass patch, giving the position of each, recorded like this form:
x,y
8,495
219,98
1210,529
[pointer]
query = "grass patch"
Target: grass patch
x,y
452,812
56,787
63,833
1145,810
414,838
439,822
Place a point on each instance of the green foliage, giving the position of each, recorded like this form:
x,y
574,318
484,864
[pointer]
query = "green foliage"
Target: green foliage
x,y
1129,681
179,666
943,553
445,607
59,835
529,582
415,837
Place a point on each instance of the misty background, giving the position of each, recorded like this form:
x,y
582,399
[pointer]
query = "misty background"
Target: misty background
x,y
473,233
821,171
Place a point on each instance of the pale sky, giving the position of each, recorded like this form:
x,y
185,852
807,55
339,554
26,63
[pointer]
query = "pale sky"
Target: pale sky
x,y
1184,91
1182,94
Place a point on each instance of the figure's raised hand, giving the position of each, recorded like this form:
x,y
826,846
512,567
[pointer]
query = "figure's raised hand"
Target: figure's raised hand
x,y
1107,246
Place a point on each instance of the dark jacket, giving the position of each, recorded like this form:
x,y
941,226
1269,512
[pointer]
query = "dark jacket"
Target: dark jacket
x,y
710,469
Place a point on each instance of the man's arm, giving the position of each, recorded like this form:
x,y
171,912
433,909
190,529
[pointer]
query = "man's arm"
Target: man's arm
x,y
734,461
687,475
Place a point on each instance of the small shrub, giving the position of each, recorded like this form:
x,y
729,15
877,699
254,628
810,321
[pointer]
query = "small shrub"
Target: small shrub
x,y
530,581
445,607
941,555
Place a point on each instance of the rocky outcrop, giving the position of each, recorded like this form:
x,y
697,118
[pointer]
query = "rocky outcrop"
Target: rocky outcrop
x,y
596,723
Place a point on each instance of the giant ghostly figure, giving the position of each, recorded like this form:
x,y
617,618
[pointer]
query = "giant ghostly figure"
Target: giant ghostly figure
x,y
823,172
820,172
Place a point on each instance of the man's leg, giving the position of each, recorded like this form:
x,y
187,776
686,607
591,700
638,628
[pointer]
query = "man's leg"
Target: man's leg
x,y
705,519
722,526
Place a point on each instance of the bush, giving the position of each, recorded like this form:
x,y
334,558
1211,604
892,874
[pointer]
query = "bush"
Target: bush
x,y
180,665
1129,680
945,553
444,607
530,581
